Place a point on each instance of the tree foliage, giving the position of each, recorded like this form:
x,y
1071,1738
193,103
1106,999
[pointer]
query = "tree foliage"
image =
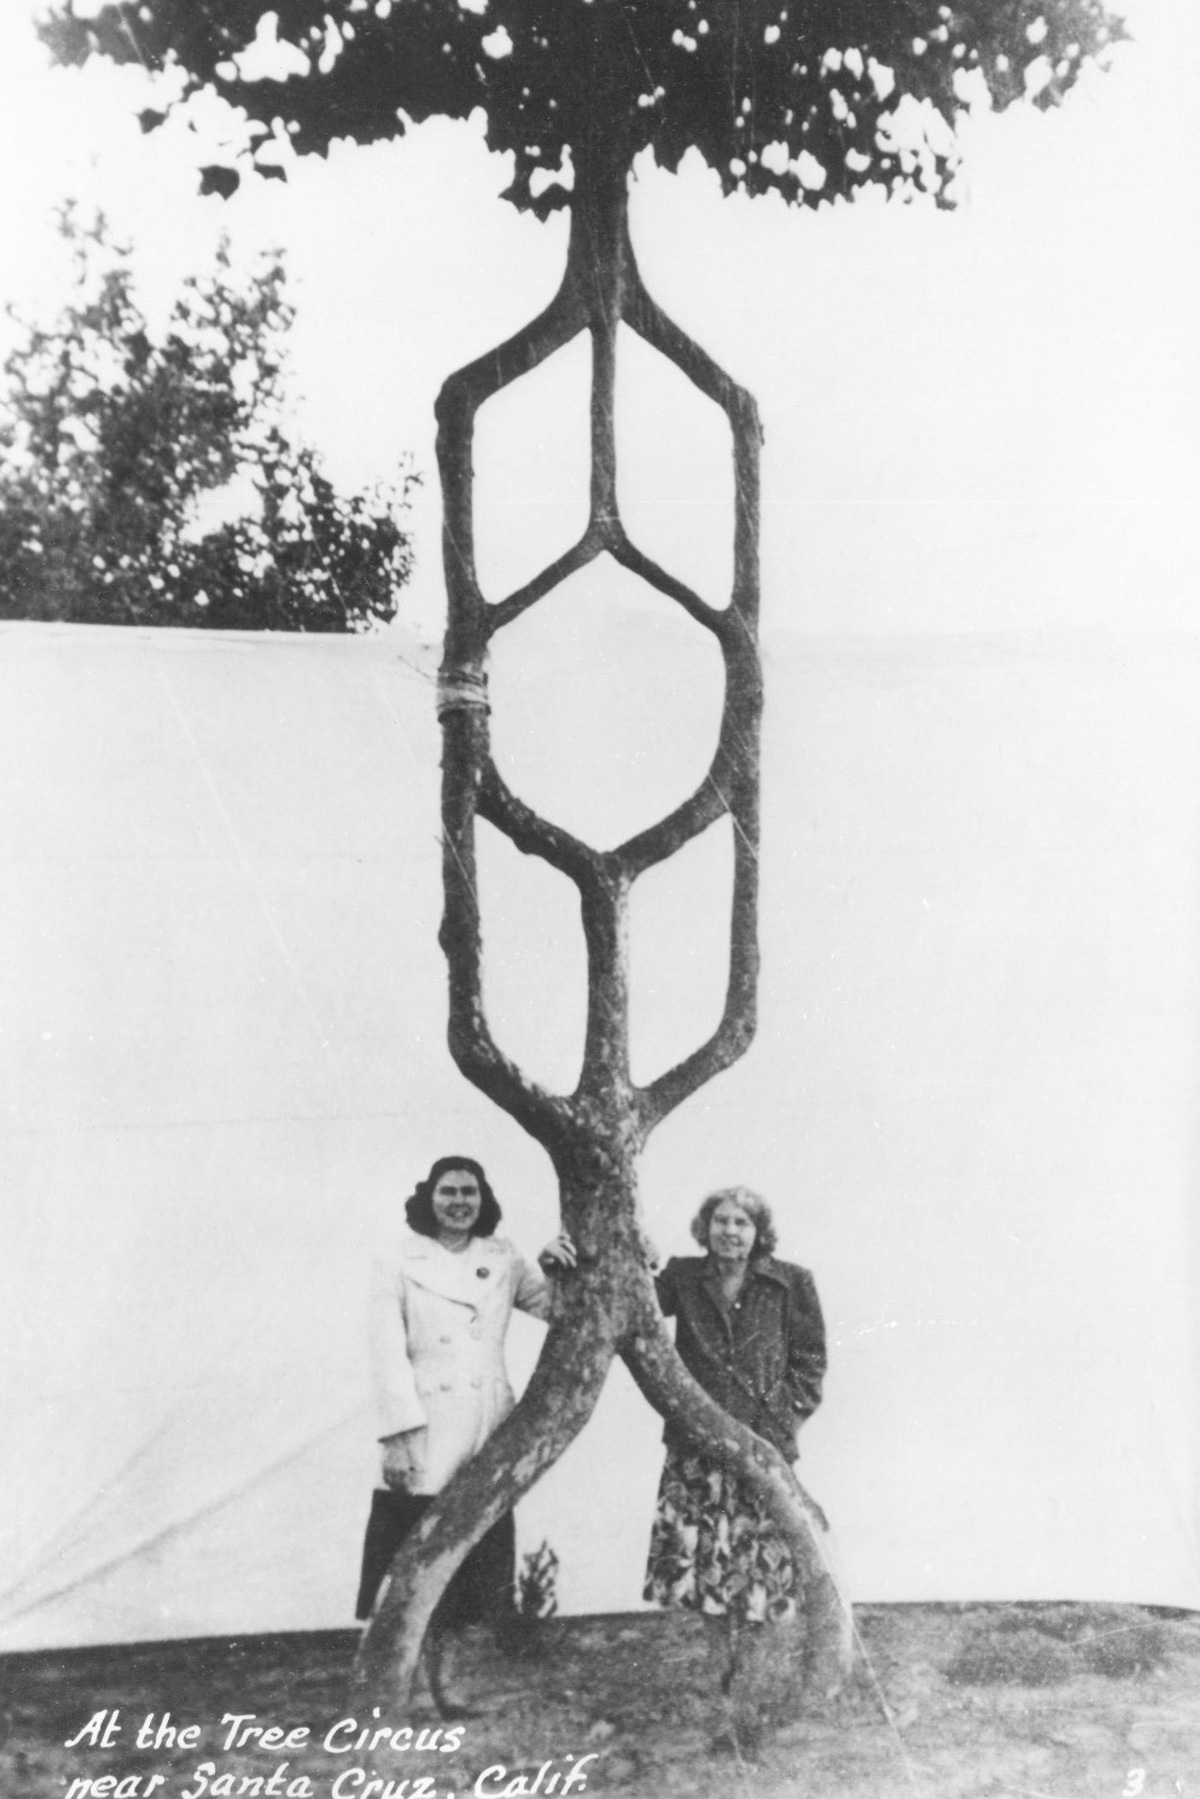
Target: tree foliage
x,y
112,436
808,98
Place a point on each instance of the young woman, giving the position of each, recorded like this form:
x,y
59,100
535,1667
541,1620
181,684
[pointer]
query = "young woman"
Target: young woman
x,y
749,1328
440,1309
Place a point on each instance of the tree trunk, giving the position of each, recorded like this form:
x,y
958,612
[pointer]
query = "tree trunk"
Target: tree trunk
x,y
557,1403
594,1135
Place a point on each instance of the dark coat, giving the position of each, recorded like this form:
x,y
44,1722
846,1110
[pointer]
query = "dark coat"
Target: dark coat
x,y
762,1359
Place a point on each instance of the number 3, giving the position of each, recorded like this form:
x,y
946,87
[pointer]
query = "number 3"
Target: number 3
x,y
1135,1780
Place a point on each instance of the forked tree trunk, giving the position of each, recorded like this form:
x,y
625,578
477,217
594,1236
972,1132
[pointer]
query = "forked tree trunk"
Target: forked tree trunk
x,y
594,1136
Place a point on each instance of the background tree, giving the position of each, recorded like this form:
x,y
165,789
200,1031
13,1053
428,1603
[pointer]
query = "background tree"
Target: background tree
x,y
113,437
810,99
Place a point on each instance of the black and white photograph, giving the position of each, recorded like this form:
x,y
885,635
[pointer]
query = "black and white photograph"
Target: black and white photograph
x,y
600,848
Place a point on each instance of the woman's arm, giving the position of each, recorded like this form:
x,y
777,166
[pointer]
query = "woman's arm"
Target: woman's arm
x,y
532,1292
398,1406
667,1290
806,1345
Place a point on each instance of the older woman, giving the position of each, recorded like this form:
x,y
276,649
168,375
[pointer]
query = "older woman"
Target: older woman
x,y
440,1309
749,1329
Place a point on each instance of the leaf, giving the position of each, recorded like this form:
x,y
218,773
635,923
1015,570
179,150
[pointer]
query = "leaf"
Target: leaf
x,y
753,85
215,178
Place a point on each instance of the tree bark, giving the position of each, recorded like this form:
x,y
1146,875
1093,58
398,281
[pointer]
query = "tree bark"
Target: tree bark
x,y
594,1135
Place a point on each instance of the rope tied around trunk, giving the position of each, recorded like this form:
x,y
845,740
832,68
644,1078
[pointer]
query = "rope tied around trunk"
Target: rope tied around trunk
x,y
458,690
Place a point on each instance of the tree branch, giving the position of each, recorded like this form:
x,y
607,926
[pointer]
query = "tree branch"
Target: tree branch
x,y
645,316
630,557
735,1032
461,396
728,1043
659,841
503,612
557,1403
472,1045
532,834
604,1081
466,752
468,387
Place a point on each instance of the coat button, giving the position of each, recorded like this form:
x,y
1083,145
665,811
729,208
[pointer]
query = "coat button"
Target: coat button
x,y
445,1339
475,1383
445,1387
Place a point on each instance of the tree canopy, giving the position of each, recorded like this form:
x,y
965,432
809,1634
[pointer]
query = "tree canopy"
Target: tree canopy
x,y
113,436
811,99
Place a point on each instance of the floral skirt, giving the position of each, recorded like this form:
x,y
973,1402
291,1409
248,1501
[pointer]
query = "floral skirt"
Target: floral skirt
x,y
713,1547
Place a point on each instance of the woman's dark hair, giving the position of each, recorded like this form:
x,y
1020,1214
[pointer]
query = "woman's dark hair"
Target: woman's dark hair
x,y
755,1208
418,1207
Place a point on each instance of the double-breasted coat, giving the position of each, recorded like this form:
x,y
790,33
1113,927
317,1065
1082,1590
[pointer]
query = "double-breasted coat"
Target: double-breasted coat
x,y
437,1325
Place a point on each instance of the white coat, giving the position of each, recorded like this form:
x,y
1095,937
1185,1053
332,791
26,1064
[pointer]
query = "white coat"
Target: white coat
x,y
438,1322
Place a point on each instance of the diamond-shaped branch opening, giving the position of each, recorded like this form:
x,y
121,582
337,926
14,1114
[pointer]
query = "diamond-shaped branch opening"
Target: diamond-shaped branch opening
x,y
532,474
679,951
533,947
606,704
675,486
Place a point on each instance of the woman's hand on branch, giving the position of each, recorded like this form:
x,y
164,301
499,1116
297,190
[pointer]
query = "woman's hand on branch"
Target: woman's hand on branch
x,y
558,1254
650,1251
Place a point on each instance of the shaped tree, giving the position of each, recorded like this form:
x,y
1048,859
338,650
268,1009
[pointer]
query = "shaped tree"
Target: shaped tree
x,y
812,100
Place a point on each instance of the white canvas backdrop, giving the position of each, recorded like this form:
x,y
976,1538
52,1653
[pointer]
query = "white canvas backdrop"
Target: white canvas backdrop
x,y
973,1098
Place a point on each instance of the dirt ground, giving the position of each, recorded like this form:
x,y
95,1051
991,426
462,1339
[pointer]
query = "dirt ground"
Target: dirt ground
x,y
1038,1701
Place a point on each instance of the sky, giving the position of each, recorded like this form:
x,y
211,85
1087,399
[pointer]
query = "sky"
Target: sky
x,y
1019,377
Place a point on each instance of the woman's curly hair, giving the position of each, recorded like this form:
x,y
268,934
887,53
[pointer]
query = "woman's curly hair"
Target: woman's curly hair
x,y
418,1207
755,1208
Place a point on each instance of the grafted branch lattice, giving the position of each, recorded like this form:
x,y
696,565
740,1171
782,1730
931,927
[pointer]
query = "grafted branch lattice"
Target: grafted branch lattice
x,y
601,289
595,1134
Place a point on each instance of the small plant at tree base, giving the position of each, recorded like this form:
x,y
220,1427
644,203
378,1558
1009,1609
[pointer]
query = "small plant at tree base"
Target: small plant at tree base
x,y
537,1584
113,439
535,1600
